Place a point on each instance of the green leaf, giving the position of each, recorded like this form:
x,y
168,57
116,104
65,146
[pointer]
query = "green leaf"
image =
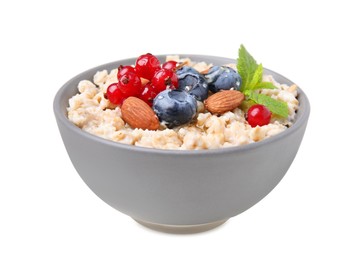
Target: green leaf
x,y
247,92
251,74
264,85
257,77
277,107
246,67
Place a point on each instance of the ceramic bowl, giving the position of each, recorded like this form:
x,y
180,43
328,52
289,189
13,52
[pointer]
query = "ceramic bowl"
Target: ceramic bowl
x,y
172,190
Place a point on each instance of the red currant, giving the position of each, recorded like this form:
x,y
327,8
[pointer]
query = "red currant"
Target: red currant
x,y
130,85
258,115
148,94
170,65
146,66
114,94
122,70
165,79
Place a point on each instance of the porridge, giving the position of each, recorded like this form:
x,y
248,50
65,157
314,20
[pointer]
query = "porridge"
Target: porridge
x,y
203,122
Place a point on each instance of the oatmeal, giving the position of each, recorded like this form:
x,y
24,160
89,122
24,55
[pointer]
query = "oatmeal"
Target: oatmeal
x,y
92,111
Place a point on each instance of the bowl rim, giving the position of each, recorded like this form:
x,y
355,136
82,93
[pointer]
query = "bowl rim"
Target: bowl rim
x,y
63,119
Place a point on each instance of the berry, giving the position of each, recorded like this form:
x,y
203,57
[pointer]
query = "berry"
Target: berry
x,y
146,66
130,85
170,65
114,94
148,94
258,115
193,82
175,107
164,79
223,78
122,70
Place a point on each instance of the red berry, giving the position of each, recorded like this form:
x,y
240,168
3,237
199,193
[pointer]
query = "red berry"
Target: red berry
x,y
170,65
258,115
114,94
148,94
130,85
122,70
165,79
146,66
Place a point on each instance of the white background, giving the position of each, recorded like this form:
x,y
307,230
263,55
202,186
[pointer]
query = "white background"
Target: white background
x,y
47,212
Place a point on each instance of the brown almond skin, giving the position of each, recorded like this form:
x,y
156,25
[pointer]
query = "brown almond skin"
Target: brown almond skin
x,y
224,101
138,114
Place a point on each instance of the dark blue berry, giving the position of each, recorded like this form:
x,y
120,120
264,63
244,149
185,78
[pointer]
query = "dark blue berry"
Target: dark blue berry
x,y
223,78
191,81
174,107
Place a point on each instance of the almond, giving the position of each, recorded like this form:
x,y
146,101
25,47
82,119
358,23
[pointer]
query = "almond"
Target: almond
x,y
138,114
224,101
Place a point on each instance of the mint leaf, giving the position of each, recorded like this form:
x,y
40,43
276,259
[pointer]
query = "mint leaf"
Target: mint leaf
x,y
251,74
277,107
247,92
257,77
264,85
246,67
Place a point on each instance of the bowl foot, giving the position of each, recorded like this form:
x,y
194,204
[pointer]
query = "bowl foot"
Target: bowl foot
x,y
181,229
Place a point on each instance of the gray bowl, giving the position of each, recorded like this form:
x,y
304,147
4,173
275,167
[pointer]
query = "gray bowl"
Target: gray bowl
x,y
172,190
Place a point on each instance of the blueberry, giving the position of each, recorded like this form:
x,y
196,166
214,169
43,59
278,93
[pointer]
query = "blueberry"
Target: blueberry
x,y
191,81
174,107
223,78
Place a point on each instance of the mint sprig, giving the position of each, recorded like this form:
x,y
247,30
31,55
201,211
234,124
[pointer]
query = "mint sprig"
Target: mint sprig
x,y
251,74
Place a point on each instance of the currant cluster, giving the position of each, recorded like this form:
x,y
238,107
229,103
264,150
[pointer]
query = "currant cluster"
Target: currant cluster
x,y
156,77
